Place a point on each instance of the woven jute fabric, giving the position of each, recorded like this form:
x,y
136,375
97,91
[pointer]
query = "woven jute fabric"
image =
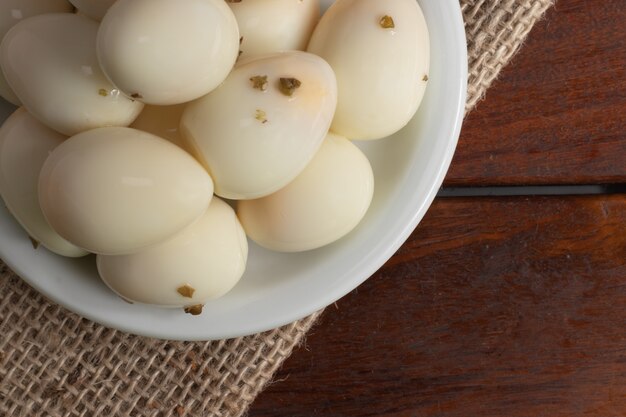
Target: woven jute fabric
x,y
54,363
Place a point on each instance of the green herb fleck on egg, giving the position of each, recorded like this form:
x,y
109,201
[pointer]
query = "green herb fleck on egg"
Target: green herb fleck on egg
x,y
288,86
186,291
259,82
386,22
261,116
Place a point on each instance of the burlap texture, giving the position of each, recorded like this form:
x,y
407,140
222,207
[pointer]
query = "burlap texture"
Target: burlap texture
x,y
54,363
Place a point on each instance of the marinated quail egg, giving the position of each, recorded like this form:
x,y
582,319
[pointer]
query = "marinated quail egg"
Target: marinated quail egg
x,y
50,62
12,12
201,263
25,144
259,129
166,52
117,190
275,25
324,203
380,53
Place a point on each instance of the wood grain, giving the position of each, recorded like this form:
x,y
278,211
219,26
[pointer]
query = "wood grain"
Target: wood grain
x,y
558,113
499,306
494,307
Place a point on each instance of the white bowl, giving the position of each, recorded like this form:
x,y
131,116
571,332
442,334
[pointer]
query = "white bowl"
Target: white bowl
x,y
280,288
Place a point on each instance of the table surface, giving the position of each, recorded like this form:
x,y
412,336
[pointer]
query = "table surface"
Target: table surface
x,y
499,306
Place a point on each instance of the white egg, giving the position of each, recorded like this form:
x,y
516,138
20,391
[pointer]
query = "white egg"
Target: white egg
x,y
95,9
12,12
323,204
380,52
253,137
275,25
25,144
162,121
50,62
201,263
166,52
117,190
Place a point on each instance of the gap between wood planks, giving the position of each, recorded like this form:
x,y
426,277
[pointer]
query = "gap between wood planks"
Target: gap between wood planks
x,y
532,190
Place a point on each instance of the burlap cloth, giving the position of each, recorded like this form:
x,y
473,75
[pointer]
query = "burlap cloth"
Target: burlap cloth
x,y
54,363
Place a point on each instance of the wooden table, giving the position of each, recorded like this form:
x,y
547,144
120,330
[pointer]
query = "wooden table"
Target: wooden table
x,y
500,306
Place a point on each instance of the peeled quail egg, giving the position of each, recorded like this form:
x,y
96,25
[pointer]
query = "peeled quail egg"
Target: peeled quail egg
x,y
12,12
202,262
162,121
117,190
95,9
167,52
25,144
324,203
380,53
50,62
275,25
259,129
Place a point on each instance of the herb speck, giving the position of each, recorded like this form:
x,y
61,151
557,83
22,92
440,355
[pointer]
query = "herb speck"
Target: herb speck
x,y
34,242
194,310
259,82
386,22
186,291
288,86
261,116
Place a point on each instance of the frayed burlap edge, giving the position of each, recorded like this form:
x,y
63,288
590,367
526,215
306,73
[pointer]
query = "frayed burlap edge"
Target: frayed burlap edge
x,y
54,363
495,31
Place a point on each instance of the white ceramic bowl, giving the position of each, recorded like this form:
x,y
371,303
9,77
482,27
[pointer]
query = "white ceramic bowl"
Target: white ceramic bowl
x,y
280,288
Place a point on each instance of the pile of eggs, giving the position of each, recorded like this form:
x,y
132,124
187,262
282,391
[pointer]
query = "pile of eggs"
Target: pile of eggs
x,y
137,119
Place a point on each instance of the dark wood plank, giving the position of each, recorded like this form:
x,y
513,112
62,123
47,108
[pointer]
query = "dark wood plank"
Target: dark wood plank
x,y
494,307
557,115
